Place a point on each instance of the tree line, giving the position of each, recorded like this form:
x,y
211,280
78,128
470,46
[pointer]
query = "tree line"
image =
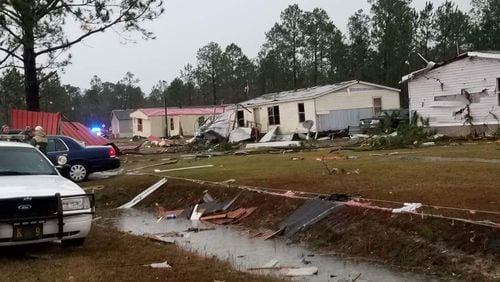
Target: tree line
x,y
302,49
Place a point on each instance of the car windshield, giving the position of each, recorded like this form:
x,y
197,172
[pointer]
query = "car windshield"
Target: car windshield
x,y
24,161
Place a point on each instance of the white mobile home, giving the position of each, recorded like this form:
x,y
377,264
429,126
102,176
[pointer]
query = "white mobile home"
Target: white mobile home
x,y
330,107
181,121
460,96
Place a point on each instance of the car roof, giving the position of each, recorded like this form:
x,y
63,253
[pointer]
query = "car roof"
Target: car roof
x,y
14,144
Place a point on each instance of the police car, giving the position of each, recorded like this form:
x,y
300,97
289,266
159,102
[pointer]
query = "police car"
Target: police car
x,y
37,204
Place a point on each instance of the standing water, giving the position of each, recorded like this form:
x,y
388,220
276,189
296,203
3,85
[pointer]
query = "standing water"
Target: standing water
x,y
234,245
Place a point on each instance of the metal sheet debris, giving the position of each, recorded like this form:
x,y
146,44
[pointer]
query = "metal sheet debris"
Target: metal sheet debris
x,y
143,194
240,134
279,144
309,213
303,271
182,168
269,135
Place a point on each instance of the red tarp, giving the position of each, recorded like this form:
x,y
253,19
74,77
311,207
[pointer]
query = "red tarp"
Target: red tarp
x,y
49,121
82,133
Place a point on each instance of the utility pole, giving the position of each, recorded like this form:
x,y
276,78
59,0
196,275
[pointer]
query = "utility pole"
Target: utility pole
x,y
166,117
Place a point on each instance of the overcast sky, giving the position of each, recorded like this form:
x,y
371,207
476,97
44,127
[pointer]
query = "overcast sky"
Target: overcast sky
x,y
188,25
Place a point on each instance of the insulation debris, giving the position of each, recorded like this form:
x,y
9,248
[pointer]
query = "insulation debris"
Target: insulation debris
x,y
408,207
159,265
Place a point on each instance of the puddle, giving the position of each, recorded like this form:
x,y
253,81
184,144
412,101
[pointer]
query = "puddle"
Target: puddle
x,y
234,245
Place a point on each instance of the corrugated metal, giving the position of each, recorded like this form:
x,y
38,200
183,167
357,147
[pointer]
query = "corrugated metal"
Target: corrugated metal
x,y
82,133
341,119
49,121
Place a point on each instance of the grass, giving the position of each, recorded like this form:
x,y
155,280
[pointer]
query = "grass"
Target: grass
x,y
113,256
460,184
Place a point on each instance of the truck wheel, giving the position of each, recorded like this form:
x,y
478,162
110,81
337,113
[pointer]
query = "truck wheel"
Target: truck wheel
x,y
78,172
73,242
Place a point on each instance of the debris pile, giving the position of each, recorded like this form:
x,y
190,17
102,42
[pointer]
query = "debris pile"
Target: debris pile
x,y
209,210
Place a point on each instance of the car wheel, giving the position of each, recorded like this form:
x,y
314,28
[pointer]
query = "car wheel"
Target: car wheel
x,y
78,172
73,242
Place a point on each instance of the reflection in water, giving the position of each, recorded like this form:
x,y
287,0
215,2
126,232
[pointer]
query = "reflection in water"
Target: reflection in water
x,y
234,245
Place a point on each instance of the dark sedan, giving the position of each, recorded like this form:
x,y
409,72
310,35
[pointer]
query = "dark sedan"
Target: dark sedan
x,y
82,160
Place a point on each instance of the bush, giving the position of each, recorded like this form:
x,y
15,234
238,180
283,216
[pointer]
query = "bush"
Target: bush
x,y
414,132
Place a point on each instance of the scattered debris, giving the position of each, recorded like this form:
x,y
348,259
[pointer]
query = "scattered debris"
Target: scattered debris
x,y
159,265
240,134
303,271
198,229
408,207
231,217
197,213
156,238
153,165
143,194
297,158
309,213
93,188
182,168
278,144
427,144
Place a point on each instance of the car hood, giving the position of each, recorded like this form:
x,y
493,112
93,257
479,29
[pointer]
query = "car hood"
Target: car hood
x,y
37,185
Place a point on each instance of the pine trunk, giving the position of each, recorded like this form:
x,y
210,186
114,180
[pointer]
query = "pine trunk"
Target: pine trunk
x,y
30,75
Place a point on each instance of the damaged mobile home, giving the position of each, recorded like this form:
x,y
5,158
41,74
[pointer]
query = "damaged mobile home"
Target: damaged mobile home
x,y
460,96
280,115
329,107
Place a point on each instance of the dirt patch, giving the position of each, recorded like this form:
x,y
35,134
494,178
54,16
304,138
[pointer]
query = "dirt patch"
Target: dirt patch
x,y
426,245
109,255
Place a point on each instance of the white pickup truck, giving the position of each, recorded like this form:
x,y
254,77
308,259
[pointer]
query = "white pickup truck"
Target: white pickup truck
x,y
37,204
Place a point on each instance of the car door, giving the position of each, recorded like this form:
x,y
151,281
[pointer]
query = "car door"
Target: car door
x,y
55,148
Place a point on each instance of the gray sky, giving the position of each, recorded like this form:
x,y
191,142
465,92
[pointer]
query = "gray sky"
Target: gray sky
x,y
188,25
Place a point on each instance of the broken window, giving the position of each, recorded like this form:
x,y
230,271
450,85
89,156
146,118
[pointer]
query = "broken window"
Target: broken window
x,y
302,112
171,123
377,106
139,124
240,117
274,115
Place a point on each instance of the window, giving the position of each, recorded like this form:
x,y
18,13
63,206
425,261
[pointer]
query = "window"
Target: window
x,y
302,112
201,120
377,106
56,145
139,124
171,123
274,115
240,117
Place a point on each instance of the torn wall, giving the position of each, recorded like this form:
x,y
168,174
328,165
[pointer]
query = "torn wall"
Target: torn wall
x,y
459,93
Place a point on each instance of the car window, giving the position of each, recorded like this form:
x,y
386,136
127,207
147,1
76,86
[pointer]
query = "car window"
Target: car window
x,y
56,145
24,161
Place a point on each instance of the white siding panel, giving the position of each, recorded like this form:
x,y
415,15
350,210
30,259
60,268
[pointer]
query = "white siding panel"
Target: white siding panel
x,y
472,74
357,97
